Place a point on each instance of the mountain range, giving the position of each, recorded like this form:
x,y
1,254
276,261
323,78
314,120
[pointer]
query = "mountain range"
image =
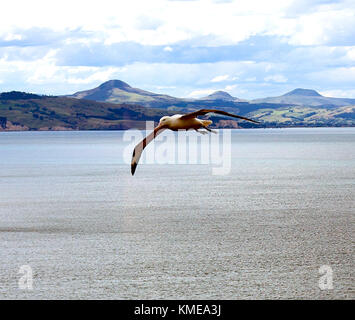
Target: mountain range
x,y
117,91
116,105
306,97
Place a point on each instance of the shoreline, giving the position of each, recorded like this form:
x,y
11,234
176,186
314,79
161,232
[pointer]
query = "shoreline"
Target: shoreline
x,y
93,130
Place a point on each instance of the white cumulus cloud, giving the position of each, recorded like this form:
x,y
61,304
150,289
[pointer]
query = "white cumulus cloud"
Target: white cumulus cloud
x,y
220,78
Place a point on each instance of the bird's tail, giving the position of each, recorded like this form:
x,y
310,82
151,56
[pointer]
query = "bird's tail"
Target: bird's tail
x,y
206,122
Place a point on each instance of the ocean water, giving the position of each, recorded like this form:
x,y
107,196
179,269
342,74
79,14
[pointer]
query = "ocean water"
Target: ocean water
x,y
72,212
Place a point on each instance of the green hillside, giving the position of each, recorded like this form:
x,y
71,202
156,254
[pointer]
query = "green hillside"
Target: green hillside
x,y
22,111
305,116
59,113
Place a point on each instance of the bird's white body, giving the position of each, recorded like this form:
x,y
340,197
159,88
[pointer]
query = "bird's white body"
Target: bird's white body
x,y
176,123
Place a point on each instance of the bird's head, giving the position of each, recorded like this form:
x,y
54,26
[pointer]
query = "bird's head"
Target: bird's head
x,y
164,120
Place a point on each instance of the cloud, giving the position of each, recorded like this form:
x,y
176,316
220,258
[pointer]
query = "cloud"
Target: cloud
x,y
96,76
350,54
164,22
230,87
145,22
201,93
220,78
332,27
341,75
254,48
276,78
101,54
339,93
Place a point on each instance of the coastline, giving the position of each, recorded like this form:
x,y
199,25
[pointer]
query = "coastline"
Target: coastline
x,y
63,129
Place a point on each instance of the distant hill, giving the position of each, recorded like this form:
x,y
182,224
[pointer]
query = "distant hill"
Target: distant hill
x,y
220,95
303,92
117,91
18,95
306,97
61,113
302,116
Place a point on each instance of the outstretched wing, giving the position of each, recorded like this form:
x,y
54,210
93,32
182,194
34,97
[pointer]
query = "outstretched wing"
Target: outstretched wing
x,y
205,111
137,152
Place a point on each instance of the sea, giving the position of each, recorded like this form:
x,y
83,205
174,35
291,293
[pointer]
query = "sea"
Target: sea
x,y
278,224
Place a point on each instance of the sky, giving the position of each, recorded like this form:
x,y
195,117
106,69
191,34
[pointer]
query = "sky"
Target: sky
x,y
249,48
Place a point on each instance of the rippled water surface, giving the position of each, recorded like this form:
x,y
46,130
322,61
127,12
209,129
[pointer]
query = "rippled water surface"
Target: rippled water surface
x,y
70,209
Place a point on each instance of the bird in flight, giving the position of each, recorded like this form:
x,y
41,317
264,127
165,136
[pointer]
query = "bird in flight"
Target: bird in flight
x,y
179,122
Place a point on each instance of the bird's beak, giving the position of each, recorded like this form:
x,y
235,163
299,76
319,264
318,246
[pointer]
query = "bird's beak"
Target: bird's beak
x,y
160,126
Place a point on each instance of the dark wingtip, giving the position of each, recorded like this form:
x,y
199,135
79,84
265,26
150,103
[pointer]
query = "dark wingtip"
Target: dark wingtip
x,y
133,168
251,120
133,163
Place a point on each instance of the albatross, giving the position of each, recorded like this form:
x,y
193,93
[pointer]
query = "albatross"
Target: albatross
x,y
179,122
